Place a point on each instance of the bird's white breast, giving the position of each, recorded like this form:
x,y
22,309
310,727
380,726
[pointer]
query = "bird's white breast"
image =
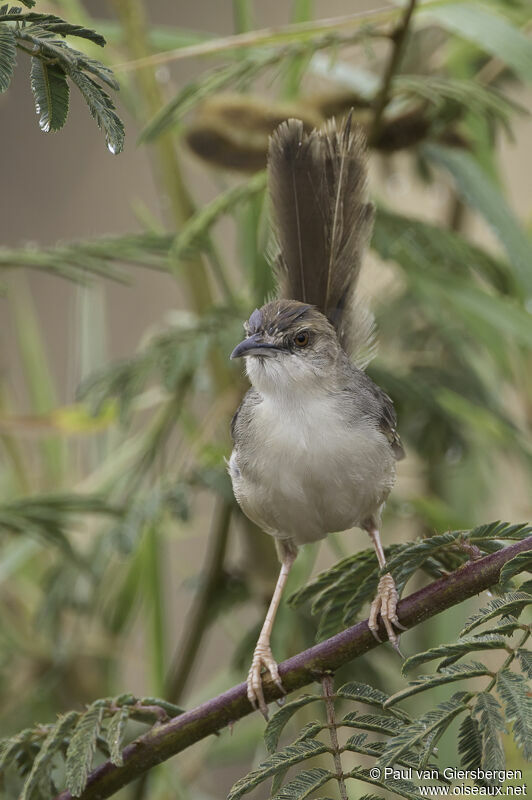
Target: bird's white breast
x,y
302,472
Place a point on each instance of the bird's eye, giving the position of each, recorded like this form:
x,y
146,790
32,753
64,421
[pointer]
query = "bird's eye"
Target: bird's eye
x,y
301,339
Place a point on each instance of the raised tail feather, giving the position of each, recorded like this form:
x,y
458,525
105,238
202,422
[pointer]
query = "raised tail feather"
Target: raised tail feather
x,y
322,222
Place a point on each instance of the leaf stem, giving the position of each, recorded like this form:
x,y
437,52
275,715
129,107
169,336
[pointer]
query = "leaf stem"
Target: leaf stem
x,y
201,612
508,660
328,693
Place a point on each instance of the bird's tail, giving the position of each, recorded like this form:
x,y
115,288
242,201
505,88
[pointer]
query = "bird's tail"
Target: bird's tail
x,y
322,222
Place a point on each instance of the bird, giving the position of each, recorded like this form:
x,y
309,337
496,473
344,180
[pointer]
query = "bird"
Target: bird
x,y
315,442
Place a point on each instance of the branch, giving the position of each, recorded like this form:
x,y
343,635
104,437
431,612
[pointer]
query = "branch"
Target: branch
x,y
399,41
164,741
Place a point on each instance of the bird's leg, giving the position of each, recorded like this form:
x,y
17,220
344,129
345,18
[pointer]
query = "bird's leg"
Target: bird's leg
x,y
386,599
262,655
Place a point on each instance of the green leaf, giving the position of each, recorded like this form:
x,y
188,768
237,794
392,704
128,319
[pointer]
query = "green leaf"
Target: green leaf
x,y
8,58
449,93
40,772
10,747
490,725
488,30
525,659
54,24
470,744
194,92
499,530
388,726
115,735
481,194
306,782
520,563
420,246
102,110
81,749
410,558
328,577
287,757
433,721
456,650
50,89
364,693
509,605
517,700
276,724
448,675
506,628
402,787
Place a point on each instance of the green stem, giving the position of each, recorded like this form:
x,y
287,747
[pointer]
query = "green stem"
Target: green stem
x,y
201,613
135,24
153,589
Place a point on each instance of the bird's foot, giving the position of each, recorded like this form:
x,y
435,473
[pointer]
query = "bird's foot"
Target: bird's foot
x,y
262,657
385,603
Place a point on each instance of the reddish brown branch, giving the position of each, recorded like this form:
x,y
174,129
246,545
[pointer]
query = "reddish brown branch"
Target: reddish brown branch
x,y
164,741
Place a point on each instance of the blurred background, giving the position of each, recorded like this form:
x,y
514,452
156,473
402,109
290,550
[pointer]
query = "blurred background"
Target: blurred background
x,y
125,565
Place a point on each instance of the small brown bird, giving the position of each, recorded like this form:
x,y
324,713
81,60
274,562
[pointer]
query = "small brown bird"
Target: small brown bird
x,y
315,443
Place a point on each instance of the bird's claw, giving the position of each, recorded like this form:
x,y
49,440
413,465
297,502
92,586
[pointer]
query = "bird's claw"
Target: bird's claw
x,y
262,657
385,603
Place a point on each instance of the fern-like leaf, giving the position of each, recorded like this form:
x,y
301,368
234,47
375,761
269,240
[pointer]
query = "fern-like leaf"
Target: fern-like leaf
x,y
525,660
452,652
479,191
50,89
10,747
102,110
276,724
519,563
447,675
8,54
306,782
401,787
515,694
470,743
39,775
417,246
287,757
115,735
499,530
81,749
386,726
510,604
491,725
411,735
414,555
506,628
363,693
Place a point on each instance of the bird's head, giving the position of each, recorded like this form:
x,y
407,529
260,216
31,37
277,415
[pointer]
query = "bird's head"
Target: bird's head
x,y
289,346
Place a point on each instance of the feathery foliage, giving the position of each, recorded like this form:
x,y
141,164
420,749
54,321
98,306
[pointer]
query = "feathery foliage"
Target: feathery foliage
x,y
53,62
74,740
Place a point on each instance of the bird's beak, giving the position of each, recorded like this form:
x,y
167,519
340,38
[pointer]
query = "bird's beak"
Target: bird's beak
x,y
253,346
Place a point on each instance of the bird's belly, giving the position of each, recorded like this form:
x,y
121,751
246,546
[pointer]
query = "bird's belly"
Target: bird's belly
x,y
307,475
